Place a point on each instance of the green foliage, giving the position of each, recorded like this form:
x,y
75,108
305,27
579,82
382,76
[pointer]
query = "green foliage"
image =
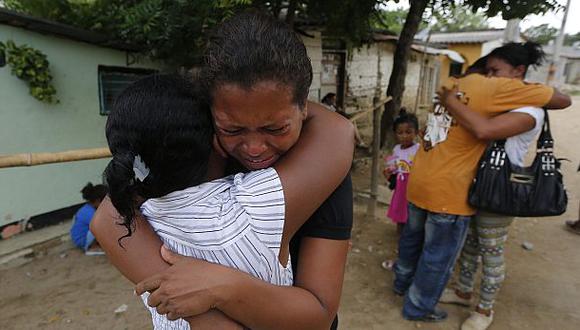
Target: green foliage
x,y
31,66
170,30
348,19
508,9
456,19
392,20
544,33
570,39
541,34
176,30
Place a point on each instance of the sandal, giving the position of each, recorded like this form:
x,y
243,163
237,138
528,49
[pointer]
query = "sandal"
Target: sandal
x,y
573,226
388,264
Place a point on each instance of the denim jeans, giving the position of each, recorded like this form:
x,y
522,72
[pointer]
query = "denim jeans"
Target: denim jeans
x,y
428,248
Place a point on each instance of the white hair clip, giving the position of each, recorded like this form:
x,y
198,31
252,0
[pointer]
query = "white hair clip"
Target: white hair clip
x,y
141,170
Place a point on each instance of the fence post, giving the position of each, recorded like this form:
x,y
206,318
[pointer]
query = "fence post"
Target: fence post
x,y
376,148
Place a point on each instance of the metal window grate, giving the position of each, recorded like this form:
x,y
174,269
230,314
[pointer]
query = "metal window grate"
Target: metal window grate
x,y
113,80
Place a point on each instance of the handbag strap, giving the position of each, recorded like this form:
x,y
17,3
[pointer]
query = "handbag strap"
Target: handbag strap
x,y
545,140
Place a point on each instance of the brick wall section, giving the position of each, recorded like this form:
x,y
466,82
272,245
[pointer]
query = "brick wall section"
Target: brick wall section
x,y
364,80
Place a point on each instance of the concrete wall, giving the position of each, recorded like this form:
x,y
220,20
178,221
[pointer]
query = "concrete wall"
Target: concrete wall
x,y
27,125
368,72
367,75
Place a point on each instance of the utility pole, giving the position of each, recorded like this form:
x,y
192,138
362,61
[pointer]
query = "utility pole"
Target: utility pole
x,y
555,71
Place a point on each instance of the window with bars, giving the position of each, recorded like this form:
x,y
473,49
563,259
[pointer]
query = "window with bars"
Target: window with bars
x,y
113,80
455,69
428,86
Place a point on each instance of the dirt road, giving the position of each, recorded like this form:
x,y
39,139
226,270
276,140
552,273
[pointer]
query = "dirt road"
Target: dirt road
x,y
66,290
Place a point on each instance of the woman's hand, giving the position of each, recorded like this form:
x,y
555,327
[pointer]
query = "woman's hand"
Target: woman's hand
x,y
188,288
388,171
447,96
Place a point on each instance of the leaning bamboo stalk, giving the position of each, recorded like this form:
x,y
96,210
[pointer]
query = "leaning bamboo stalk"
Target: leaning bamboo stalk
x,y
33,159
360,114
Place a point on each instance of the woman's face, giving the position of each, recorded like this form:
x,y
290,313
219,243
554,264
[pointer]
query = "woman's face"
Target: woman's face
x,y
497,67
256,126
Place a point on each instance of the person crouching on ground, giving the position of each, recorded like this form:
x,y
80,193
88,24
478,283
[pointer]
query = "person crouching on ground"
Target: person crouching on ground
x,y
80,234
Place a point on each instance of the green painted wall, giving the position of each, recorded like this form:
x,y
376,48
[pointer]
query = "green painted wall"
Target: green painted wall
x,y
27,125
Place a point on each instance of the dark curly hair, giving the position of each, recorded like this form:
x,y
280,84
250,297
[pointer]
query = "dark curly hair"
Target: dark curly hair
x,y
166,121
252,47
516,54
405,117
93,193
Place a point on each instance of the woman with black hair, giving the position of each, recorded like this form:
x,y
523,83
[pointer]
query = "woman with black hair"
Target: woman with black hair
x,y
257,76
488,232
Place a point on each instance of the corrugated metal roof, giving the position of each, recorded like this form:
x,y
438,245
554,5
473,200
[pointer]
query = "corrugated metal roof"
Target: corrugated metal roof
x,y
453,55
44,26
466,37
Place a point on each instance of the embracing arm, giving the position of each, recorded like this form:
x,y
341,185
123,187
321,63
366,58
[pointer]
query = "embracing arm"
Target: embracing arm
x,y
191,287
484,128
139,256
320,270
255,303
559,101
514,93
315,166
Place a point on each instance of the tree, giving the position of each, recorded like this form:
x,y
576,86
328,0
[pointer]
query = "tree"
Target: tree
x,y
570,39
541,34
507,8
392,20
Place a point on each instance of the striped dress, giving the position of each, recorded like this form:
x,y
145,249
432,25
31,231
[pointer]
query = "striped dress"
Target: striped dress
x,y
236,221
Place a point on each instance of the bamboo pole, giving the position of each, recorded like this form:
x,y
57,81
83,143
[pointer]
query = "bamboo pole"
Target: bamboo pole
x,y
377,107
33,159
360,114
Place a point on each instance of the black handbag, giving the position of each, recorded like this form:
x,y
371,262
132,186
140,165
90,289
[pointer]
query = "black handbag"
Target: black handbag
x,y
535,191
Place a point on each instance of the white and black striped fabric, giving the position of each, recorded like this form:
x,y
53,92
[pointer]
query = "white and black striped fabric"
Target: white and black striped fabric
x,y
236,221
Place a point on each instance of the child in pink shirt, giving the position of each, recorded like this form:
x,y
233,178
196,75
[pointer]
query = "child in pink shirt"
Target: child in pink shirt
x,y
398,167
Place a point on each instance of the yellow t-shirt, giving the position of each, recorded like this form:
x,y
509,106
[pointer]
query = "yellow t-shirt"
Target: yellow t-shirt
x,y
441,177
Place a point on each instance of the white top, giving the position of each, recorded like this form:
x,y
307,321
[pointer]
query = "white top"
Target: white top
x,y
517,146
405,157
236,221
